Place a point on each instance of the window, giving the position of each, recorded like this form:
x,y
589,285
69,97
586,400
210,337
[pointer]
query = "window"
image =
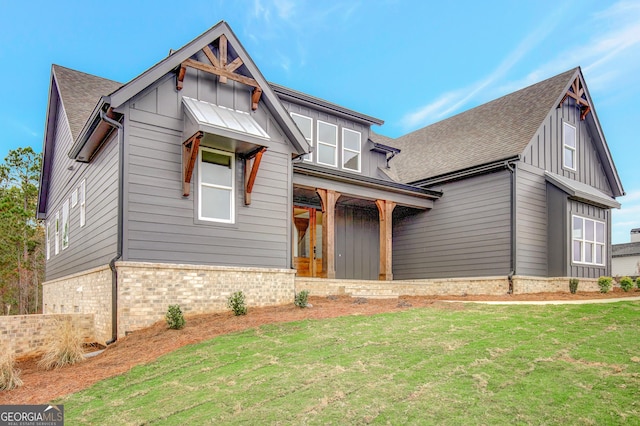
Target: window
x,y
47,237
569,144
216,185
305,124
65,224
83,203
57,233
74,197
327,144
588,241
351,150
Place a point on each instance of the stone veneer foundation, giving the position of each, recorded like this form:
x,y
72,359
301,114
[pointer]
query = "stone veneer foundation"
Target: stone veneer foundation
x,y
145,291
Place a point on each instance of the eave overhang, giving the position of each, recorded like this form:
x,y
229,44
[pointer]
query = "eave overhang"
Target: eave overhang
x,y
94,133
467,172
581,191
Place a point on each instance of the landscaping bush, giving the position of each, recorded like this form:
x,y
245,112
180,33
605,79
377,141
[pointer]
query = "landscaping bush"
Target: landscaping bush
x,y
605,284
301,299
638,283
573,285
236,303
9,374
64,347
174,317
626,283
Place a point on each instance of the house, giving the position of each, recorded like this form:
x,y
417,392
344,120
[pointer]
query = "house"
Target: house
x,y
625,260
199,178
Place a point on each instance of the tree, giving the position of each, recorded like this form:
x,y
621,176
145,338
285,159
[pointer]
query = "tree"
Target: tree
x,y
21,236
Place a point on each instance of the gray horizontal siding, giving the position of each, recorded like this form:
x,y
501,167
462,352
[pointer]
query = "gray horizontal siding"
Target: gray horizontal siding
x,y
94,244
162,225
467,233
545,150
531,222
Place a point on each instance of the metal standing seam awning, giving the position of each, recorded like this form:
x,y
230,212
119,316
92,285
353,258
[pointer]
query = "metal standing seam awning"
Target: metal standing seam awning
x,y
581,190
222,128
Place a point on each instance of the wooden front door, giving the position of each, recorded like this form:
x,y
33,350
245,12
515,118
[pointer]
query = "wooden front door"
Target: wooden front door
x,y
307,241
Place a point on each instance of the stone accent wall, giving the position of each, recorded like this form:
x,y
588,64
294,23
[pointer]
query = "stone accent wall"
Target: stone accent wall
x,y
87,292
24,335
147,289
439,287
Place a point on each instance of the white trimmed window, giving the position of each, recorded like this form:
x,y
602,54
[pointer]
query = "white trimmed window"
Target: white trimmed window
x,y
569,146
74,197
351,150
216,185
305,124
65,224
327,144
588,241
83,203
47,237
56,243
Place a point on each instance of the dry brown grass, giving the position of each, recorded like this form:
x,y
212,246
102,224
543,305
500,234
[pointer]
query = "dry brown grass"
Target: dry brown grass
x,y
63,348
9,374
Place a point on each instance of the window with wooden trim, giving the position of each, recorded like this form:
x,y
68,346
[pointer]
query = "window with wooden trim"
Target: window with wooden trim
x,y
588,241
569,144
351,150
65,224
56,244
305,124
327,144
216,185
83,203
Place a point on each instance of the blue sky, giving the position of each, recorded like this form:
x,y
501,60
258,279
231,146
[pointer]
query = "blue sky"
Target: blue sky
x,y
410,63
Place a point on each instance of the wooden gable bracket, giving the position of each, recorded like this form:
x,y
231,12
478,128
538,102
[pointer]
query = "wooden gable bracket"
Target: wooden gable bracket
x,y
222,68
189,155
577,92
251,166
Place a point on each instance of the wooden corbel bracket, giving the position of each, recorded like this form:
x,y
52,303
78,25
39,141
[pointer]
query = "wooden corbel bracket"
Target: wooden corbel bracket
x,y
251,166
189,155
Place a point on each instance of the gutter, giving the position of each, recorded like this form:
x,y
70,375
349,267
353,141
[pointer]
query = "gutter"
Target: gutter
x,y
512,266
465,173
112,263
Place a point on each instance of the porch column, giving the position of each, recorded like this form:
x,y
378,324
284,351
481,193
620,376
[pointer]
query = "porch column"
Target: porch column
x,y
385,210
328,198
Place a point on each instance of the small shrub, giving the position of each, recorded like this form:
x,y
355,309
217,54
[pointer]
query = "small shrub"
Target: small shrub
x,y
9,374
573,285
63,348
301,299
605,284
174,317
236,303
638,283
626,283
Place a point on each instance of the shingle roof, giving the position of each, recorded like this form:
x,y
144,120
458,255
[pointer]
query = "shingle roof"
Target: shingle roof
x,y
628,249
491,132
80,93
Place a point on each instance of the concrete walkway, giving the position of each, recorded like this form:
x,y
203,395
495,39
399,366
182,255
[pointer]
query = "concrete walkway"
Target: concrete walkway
x,y
548,302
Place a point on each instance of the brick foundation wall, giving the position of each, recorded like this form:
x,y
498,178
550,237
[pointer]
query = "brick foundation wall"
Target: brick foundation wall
x,y
439,287
27,334
87,292
147,289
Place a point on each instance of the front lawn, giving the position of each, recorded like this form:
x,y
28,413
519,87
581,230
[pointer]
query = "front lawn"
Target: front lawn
x,y
449,364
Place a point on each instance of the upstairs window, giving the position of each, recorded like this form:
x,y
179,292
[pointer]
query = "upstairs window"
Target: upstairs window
x,y
327,144
569,146
56,243
588,240
65,224
83,203
351,150
216,185
305,124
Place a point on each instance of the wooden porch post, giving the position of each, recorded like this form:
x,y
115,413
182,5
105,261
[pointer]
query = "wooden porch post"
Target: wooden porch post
x,y
329,199
385,210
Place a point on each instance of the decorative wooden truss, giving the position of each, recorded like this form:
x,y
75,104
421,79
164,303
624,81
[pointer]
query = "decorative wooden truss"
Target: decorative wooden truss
x,y
577,92
251,166
219,66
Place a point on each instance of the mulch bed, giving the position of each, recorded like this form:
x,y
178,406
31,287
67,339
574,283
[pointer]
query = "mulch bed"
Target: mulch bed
x,y
146,345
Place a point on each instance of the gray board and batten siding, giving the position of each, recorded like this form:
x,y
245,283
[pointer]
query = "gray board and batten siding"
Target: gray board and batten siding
x,y
161,224
94,244
357,242
466,234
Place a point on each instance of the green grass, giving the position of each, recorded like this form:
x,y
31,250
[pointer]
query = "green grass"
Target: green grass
x,y
572,364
